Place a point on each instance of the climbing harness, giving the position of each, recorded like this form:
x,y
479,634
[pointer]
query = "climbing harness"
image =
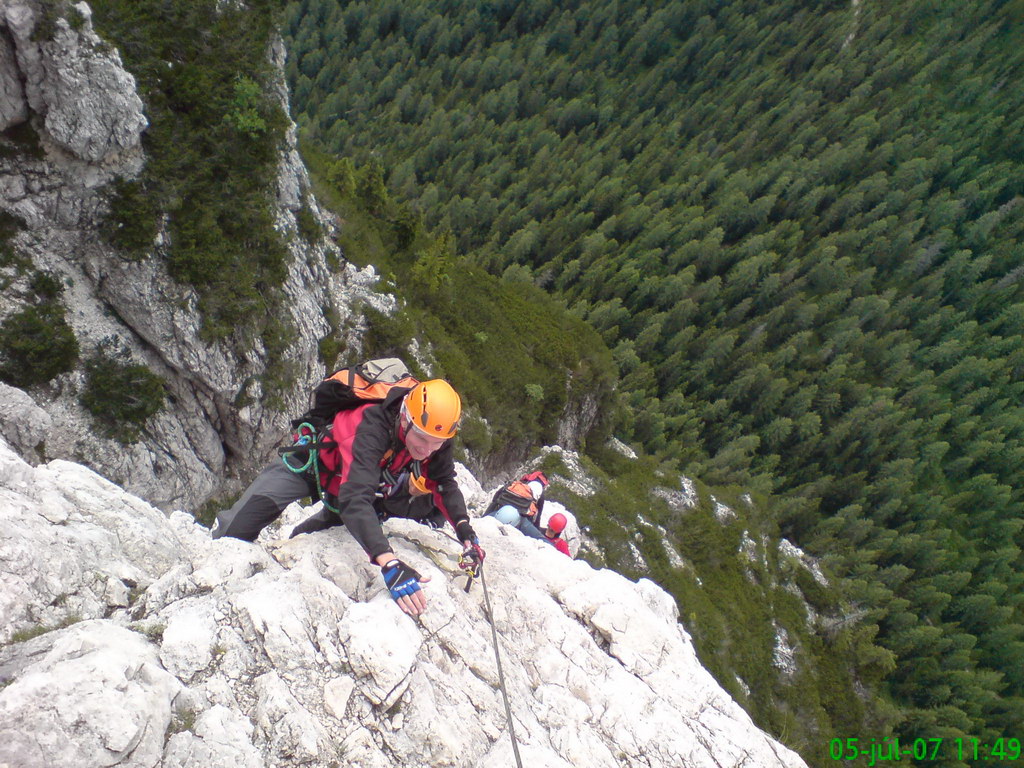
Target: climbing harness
x,y
306,441
345,389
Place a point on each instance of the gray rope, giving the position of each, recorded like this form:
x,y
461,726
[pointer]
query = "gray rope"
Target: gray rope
x,y
497,656
501,673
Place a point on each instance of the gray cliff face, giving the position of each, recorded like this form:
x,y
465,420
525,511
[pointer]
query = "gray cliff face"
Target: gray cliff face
x,y
73,90
578,418
86,100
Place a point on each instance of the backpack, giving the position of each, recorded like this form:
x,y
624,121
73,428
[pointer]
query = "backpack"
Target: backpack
x,y
368,382
518,494
347,388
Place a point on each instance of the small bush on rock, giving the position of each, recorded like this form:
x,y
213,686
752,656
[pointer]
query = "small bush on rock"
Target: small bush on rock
x,y
36,344
121,396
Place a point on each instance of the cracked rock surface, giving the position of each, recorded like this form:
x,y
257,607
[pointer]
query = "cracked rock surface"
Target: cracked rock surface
x,y
161,647
65,86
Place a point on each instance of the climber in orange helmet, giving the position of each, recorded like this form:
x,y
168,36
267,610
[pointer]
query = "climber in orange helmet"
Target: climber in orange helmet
x,y
379,460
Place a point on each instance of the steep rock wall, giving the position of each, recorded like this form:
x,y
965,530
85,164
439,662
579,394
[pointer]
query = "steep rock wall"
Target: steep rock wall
x,y
58,77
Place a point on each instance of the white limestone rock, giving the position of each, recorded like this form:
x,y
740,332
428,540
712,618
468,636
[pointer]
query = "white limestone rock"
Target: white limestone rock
x,y
621,448
220,738
575,478
81,89
636,558
92,694
783,654
283,723
72,544
789,550
723,513
476,497
292,653
384,660
750,551
337,693
577,418
188,639
23,424
674,558
13,105
682,499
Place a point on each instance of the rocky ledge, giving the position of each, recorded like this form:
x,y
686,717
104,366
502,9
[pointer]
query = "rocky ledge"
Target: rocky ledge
x,y
133,639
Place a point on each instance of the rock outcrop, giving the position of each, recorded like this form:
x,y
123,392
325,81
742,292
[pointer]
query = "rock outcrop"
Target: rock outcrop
x,y
165,648
80,90
81,103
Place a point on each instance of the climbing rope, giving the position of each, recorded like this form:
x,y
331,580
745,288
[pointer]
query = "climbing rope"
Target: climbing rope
x,y
472,572
306,441
303,442
501,673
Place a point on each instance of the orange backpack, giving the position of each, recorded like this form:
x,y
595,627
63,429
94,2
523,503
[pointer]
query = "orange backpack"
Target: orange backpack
x,y
518,494
368,382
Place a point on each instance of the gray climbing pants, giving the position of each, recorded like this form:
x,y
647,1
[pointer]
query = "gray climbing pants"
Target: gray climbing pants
x,y
263,502
276,487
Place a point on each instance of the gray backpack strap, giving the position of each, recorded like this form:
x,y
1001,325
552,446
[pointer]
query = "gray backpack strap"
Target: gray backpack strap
x,y
386,369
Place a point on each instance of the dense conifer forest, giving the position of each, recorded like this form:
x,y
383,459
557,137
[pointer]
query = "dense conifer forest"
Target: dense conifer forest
x,y
798,227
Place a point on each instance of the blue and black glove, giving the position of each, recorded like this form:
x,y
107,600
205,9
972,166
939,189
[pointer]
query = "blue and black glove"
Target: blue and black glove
x,y
401,579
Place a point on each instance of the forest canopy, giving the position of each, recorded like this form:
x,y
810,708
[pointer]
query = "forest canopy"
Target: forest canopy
x,y
798,227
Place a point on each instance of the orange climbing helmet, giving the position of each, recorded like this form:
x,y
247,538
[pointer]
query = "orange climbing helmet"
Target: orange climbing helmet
x,y
434,408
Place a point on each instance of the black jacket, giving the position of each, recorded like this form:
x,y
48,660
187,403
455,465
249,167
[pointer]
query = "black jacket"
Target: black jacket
x,y
355,467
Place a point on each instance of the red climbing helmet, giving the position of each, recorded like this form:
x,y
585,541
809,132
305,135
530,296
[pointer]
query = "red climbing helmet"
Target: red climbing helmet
x,y
557,522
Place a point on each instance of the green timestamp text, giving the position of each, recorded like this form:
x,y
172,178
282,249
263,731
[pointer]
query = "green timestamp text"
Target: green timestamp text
x,y
893,750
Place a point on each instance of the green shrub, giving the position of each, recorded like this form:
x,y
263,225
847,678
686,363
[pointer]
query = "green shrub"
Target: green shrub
x,y
553,464
46,21
331,346
534,392
36,344
153,630
306,221
9,256
817,596
10,225
207,513
329,349
212,150
21,140
475,436
36,630
120,396
244,113
23,635
387,335
131,223
278,375
45,286
184,720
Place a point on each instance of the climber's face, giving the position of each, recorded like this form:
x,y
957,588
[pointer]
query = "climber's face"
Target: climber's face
x,y
419,443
